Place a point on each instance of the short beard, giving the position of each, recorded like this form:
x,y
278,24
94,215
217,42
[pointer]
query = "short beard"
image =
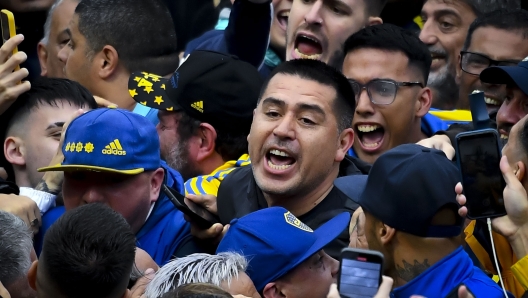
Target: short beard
x,y
445,89
178,159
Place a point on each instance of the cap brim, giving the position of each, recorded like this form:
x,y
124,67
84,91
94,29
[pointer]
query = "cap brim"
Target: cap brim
x,y
352,186
506,75
149,90
73,168
325,234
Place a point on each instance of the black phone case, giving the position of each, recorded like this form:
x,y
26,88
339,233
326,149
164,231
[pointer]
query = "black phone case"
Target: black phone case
x,y
200,221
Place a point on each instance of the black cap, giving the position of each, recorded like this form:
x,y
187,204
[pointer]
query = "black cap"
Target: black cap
x,y
406,188
212,87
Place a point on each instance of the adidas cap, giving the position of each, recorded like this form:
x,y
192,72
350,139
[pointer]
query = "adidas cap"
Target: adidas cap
x,y
110,140
212,87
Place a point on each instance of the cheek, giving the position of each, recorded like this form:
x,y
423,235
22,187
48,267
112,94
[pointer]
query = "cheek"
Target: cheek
x,y
72,195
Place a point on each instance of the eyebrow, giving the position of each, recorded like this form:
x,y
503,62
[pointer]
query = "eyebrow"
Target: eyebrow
x,y
446,12
55,125
300,106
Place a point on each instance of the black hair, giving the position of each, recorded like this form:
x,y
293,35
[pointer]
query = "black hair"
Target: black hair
x,y
392,38
344,104
44,92
230,145
89,252
481,7
142,32
374,7
197,290
513,20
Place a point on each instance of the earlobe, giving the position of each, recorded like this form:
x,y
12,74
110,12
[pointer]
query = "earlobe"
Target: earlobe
x,y
14,151
32,275
375,21
43,58
108,60
386,234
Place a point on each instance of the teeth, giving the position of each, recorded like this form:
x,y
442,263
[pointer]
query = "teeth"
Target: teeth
x,y
279,153
491,101
285,14
277,167
504,137
304,56
373,145
367,128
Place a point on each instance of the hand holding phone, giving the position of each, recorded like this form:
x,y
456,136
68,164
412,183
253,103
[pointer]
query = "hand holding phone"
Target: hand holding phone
x,y
360,272
479,155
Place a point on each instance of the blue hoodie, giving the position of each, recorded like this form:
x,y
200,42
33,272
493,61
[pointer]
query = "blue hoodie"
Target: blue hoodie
x,y
447,274
161,234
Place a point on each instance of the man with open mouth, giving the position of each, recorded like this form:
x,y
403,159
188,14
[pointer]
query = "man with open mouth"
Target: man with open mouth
x,y
387,67
495,39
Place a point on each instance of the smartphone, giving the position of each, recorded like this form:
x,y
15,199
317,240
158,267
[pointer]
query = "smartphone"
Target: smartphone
x,y
198,214
7,22
360,272
479,155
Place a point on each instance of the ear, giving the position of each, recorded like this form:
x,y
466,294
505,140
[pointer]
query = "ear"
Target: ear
x,y
42,53
386,234
107,61
272,291
207,134
15,151
32,275
346,140
458,69
520,171
423,104
155,184
374,21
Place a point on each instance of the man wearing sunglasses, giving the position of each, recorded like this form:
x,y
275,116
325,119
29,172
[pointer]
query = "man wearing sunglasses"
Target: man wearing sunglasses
x,y
388,68
495,39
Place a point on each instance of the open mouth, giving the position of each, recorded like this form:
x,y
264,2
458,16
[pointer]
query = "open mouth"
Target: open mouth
x,y
308,47
437,59
282,18
370,136
279,160
492,102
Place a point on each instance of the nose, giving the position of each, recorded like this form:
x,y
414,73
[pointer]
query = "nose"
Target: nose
x,y
63,54
364,106
314,14
428,34
285,129
92,195
510,112
334,267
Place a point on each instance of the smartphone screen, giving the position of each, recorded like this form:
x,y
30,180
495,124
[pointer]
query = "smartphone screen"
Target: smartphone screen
x,y
479,158
360,273
5,27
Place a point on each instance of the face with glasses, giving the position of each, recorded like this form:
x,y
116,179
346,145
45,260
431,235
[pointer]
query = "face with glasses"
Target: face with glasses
x,y
489,47
391,100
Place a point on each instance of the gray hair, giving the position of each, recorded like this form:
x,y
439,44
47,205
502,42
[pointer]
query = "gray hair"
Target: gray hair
x,y
196,268
47,24
16,241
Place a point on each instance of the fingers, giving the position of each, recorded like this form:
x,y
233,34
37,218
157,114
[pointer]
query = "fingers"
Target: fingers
x,y
385,287
7,48
333,293
141,284
10,64
464,293
206,201
507,173
458,188
3,291
212,233
449,151
103,103
462,211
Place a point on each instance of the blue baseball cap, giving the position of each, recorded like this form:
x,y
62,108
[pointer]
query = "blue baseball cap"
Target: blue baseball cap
x,y
405,189
508,74
110,140
274,241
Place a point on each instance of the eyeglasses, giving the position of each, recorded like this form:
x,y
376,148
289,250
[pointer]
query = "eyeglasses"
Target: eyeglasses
x,y
380,91
474,63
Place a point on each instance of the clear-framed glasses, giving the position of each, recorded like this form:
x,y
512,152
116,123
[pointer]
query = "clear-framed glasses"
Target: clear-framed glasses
x,y
474,63
380,91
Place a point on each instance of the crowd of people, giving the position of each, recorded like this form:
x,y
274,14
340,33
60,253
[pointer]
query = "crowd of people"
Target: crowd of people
x,y
298,127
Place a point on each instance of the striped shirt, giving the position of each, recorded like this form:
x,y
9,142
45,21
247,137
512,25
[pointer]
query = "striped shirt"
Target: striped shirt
x,y
209,184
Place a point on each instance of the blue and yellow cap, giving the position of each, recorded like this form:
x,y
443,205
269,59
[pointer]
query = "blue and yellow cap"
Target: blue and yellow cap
x,y
110,140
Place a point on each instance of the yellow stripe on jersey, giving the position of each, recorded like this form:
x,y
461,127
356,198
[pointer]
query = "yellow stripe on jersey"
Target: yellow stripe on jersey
x,y
453,115
209,184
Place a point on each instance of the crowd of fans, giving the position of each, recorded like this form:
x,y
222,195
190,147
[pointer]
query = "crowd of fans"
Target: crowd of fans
x,y
301,126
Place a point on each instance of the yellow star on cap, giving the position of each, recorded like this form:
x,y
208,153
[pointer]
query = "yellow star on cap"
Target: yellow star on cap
x,y
170,109
148,89
143,103
158,100
162,86
137,79
132,92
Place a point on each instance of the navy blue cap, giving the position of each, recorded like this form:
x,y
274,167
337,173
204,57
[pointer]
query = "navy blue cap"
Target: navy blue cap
x,y
507,74
405,189
274,241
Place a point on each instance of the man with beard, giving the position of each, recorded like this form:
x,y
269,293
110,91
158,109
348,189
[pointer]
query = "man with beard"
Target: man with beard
x,y
445,28
205,113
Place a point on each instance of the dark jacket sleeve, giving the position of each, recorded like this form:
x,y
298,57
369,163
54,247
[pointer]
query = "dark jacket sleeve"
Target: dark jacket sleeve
x,y
246,36
453,130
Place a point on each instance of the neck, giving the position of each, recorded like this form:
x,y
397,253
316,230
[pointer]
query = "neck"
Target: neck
x,y
416,256
116,91
302,202
210,164
417,134
21,178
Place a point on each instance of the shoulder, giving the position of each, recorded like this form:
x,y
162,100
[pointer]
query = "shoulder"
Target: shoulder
x,y
481,285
